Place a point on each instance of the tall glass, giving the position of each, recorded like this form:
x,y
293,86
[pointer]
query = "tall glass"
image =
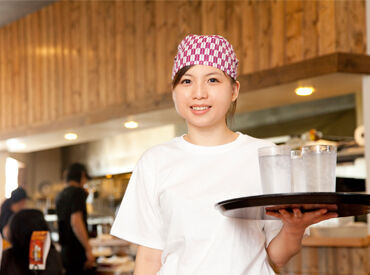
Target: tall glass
x,y
275,169
320,162
298,171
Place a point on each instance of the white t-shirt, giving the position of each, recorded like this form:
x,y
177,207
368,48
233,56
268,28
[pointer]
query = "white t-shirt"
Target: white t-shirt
x,y
170,205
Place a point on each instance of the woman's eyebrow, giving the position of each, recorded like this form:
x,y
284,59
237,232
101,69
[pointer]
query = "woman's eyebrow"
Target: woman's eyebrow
x,y
213,73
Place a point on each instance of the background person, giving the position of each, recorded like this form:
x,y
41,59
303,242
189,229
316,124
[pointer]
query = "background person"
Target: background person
x,y
15,203
72,223
15,260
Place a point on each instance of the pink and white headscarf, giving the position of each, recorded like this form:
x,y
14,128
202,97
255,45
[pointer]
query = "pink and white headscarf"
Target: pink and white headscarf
x,y
210,50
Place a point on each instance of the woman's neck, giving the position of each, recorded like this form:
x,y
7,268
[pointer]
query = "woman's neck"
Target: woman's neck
x,y
210,137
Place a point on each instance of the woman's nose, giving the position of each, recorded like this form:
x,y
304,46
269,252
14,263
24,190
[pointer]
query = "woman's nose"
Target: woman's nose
x,y
200,91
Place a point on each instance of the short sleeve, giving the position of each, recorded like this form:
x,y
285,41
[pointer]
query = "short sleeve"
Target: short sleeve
x,y
78,200
138,219
271,228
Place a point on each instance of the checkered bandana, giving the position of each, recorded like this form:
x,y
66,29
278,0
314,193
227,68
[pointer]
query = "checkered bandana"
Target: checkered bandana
x,y
210,50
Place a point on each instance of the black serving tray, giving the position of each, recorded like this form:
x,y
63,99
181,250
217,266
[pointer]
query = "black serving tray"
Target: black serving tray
x,y
255,207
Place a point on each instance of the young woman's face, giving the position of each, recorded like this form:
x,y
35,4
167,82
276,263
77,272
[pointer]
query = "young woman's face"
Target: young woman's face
x,y
203,96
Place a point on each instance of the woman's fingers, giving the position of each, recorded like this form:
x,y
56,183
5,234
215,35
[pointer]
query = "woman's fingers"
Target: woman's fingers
x,y
296,216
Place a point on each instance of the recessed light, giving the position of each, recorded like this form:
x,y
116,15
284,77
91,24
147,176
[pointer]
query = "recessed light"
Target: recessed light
x,y
131,124
70,136
304,91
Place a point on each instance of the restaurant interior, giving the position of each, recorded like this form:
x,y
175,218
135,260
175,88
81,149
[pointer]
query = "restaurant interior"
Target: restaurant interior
x,y
89,81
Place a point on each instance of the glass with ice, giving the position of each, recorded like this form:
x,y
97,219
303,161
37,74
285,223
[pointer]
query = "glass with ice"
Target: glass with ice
x,y
298,174
319,167
275,169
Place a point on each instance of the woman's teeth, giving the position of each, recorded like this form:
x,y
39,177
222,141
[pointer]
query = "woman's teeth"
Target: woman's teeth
x,y
200,108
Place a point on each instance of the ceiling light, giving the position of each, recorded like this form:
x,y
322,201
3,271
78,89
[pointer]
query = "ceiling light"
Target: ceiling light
x,y
304,91
70,136
131,124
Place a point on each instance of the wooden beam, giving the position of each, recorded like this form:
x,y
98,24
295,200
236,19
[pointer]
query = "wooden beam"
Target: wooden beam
x,y
318,66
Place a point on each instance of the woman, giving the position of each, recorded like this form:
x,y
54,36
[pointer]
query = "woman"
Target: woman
x,y
15,259
168,208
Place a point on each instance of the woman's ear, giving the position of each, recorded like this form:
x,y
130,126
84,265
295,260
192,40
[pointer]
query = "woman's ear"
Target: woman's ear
x,y
236,87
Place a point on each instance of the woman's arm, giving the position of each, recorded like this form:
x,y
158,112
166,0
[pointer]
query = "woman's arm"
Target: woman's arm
x,y
289,240
148,261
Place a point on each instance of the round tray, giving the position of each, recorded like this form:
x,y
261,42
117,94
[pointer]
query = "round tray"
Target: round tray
x,y
254,207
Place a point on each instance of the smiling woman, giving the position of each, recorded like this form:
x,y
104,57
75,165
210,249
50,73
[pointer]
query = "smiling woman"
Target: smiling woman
x,y
168,208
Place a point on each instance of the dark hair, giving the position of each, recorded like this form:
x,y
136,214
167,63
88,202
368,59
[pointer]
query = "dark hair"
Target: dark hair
x,y
232,108
18,195
21,226
75,171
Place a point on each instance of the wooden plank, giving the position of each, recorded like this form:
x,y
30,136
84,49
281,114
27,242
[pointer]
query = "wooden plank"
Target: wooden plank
x,y
149,57
111,92
37,73
264,34
2,80
102,54
8,97
43,56
248,58
357,23
326,27
120,74
293,33
342,26
129,46
234,32
159,48
220,18
75,56
30,70
94,55
309,29
59,80
171,45
84,57
66,58
51,46
13,68
22,89
277,43
208,9
189,16
138,51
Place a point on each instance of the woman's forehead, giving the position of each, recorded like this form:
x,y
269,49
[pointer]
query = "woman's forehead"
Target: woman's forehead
x,y
203,70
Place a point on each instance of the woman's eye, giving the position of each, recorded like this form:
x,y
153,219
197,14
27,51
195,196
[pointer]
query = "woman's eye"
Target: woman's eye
x,y
185,81
213,80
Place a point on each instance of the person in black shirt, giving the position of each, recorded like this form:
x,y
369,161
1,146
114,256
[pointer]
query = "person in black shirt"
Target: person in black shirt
x,y
72,223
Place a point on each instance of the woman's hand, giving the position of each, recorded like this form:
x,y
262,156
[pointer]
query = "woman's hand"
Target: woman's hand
x,y
296,222
289,240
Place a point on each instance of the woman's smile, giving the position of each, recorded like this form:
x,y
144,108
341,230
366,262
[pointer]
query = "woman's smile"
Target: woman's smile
x,y
200,109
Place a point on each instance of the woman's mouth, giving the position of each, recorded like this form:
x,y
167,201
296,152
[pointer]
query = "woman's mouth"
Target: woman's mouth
x,y
200,108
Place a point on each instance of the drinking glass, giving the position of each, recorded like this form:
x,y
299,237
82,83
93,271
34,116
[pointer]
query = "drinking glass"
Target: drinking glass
x,y
275,169
298,171
319,165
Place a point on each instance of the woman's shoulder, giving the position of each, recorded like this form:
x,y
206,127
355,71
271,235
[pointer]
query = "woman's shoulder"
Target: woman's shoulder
x,y
257,142
161,150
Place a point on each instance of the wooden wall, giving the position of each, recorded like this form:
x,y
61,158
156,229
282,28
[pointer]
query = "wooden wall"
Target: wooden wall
x,y
83,59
